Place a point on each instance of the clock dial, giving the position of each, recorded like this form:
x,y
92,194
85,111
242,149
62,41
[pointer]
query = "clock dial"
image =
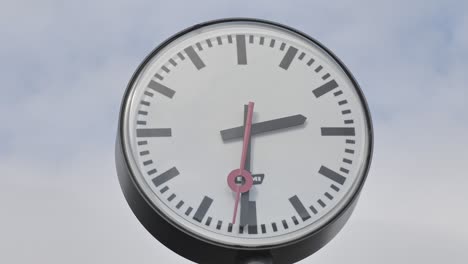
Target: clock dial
x,y
246,134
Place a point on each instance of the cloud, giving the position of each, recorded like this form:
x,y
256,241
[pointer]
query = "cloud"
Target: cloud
x,y
64,69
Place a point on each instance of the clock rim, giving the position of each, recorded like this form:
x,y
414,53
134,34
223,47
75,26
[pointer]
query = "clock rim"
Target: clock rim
x,y
131,188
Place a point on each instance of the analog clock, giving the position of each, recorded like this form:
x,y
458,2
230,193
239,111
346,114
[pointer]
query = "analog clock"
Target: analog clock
x,y
242,138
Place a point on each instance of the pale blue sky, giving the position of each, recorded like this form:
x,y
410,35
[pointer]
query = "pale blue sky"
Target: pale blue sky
x,y
64,67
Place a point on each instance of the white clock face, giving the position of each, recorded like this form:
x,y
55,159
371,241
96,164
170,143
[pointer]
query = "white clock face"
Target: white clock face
x,y
184,133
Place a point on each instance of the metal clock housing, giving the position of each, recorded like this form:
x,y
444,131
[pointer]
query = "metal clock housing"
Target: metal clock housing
x,y
181,126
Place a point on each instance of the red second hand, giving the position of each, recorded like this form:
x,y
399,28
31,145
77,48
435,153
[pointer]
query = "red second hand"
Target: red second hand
x,y
248,127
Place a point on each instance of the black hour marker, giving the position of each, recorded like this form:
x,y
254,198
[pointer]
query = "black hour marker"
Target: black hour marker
x,y
334,187
348,161
342,102
193,56
144,153
262,40
325,88
326,76
244,209
319,68
241,50
229,38
288,58
151,172
199,46
310,62
338,131
162,89
145,103
141,122
285,224
251,39
165,176
346,112
142,112
332,175
203,209
350,141
220,42
263,228
208,41
299,207
329,196
144,142
173,62
150,94
230,228
154,132
252,222
349,121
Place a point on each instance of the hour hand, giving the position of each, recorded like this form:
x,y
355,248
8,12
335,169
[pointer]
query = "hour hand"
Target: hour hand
x,y
263,127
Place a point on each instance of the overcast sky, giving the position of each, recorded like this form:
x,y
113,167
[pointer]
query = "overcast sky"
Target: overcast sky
x,y
64,68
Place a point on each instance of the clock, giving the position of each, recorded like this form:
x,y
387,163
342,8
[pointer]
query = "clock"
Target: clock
x,y
241,139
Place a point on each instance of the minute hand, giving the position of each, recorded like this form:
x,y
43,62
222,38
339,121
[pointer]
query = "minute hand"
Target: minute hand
x,y
263,127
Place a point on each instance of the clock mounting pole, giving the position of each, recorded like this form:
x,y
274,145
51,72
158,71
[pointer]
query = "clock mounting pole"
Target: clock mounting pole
x,y
255,258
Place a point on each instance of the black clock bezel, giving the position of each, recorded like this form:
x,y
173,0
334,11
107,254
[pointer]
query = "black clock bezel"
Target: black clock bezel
x,y
202,250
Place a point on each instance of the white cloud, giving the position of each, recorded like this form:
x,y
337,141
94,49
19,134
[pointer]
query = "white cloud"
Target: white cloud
x,y
65,66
